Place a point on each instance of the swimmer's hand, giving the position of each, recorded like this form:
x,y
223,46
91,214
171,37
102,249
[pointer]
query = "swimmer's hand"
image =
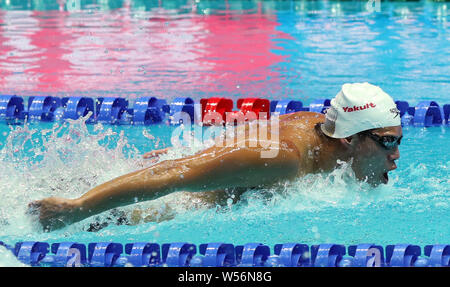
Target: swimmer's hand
x,y
152,215
54,212
155,153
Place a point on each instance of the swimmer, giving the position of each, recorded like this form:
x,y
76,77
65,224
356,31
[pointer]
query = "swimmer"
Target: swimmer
x,y
361,127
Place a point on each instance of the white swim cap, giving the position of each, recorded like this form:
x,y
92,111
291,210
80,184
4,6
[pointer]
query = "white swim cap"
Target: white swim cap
x,y
359,107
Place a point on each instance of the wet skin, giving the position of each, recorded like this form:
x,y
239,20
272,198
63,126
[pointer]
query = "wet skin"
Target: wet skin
x,y
302,149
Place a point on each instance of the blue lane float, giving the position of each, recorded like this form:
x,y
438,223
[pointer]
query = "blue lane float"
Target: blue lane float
x,y
438,255
104,254
30,252
366,255
178,254
402,255
43,108
286,107
252,254
68,254
327,255
289,255
141,254
112,111
319,105
219,254
427,114
180,108
406,112
151,110
76,107
446,109
11,108
402,106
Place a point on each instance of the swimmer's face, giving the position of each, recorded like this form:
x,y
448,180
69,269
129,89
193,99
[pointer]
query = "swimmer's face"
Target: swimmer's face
x,y
375,153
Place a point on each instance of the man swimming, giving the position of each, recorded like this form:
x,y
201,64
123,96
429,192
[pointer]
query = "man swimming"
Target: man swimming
x,y
361,127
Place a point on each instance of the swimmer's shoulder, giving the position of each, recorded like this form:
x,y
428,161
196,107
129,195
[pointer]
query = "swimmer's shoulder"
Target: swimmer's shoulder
x,y
298,129
301,121
303,117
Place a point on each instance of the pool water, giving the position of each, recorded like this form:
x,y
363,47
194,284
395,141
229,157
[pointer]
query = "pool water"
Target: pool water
x,y
43,160
272,49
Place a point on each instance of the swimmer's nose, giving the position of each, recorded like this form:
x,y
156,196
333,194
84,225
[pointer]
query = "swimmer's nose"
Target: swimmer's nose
x,y
394,155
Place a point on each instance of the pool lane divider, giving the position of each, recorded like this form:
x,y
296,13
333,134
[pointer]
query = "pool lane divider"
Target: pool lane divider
x,y
211,111
217,254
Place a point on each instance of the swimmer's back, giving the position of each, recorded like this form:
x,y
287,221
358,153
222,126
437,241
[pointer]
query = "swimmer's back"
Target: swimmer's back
x,y
302,119
298,129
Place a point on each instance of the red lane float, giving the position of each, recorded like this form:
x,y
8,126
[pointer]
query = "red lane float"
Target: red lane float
x,y
250,109
214,110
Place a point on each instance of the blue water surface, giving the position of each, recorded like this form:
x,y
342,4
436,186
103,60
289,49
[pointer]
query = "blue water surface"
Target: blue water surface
x,y
334,207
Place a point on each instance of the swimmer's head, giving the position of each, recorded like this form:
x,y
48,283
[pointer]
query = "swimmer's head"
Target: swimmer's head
x,y
367,122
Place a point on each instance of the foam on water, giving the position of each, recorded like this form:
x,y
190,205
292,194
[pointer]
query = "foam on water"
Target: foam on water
x,y
65,160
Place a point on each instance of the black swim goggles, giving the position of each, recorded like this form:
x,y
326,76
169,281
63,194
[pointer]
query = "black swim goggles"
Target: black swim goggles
x,y
387,142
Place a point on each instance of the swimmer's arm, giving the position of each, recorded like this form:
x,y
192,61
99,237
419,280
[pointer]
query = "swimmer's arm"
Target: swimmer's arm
x,y
192,201
215,168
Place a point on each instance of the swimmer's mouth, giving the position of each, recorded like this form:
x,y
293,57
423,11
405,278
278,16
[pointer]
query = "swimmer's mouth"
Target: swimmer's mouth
x,y
385,174
385,177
